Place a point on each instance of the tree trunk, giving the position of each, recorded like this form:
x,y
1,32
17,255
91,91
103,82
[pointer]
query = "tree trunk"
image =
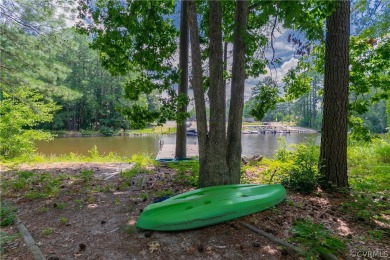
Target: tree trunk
x,y
181,141
333,155
200,105
216,168
237,92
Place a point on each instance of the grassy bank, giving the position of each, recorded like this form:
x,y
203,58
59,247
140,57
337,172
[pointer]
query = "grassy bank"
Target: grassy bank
x,y
154,130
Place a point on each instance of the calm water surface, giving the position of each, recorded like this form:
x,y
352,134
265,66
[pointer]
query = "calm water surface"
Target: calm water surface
x,y
264,144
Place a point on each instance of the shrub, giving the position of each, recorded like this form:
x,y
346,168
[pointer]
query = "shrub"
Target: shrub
x,y
303,173
107,131
142,161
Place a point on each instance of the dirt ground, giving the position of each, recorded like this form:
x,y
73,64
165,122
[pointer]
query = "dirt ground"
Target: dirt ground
x,y
98,221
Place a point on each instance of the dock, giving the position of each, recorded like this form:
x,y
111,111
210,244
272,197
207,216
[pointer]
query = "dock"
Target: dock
x,y
167,151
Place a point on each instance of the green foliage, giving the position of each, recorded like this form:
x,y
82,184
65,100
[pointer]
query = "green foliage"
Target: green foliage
x,y
371,19
138,37
142,161
300,170
107,131
47,231
31,76
96,97
377,234
364,208
20,112
382,150
368,176
315,239
128,176
7,214
296,85
369,166
186,172
86,175
265,98
94,156
33,185
388,115
369,73
94,152
63,221
303,176
267,171
281,153
139,115
5,239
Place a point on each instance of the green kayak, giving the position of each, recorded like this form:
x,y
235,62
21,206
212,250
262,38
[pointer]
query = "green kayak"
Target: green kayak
x,y
208,206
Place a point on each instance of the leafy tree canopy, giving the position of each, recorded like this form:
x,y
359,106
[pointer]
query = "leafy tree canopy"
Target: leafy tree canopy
x,y
135,36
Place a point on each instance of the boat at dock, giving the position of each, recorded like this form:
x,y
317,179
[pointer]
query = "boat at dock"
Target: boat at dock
x,y
191,132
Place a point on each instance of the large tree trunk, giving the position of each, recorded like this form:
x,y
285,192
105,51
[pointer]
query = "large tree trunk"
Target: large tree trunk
x,y
181,141
333,156
200,105
216,168
237,92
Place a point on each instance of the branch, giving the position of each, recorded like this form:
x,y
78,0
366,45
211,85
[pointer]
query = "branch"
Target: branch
x,y
19,21
31,244
283,243
255,5
5,67
10,54
274,239
272,38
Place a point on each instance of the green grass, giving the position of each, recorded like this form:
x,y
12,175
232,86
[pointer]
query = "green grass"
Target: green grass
x,y
156,130
94,156
47,231
7,214
5,239
316,239
187,172
32,185
369,166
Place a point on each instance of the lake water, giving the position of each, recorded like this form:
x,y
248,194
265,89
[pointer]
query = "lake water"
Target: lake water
x,y
264,144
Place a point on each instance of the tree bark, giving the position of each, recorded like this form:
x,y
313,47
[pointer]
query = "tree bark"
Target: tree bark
x,y
216,168
237,92
200,105
333,155
181,140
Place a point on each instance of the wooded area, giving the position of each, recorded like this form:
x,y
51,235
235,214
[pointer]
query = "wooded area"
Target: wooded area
x,y
116,65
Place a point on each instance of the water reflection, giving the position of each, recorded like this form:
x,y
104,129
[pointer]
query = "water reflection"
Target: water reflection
x,y
264,144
